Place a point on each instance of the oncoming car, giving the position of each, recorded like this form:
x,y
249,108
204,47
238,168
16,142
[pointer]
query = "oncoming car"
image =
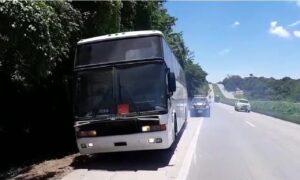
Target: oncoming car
x,y
242,105
200,106
217,98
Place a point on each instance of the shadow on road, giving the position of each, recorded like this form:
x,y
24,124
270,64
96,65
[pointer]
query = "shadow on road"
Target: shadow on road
x,y
128,161
205,114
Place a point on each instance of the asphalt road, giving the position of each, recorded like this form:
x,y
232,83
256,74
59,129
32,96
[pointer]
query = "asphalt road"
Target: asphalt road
x,y
228,145
226,93
237,145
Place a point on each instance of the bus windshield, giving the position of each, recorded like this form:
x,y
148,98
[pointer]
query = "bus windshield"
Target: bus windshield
x,y
199,100
243,101
119,50
95,90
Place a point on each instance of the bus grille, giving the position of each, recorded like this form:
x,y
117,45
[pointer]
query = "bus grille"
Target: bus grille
x,y
118,127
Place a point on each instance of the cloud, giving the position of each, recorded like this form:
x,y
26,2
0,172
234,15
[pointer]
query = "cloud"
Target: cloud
x,y
235,24
277,30
298,3
294,23
296,34
224,52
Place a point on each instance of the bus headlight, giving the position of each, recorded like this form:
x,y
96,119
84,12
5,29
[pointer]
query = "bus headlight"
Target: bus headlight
x,y
146,128
155,140
161,127
90,133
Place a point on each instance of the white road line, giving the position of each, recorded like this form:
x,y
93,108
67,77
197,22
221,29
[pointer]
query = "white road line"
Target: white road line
x,y
250,124
184,170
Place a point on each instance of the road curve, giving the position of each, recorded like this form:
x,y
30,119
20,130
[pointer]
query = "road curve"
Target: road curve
x,y
226,93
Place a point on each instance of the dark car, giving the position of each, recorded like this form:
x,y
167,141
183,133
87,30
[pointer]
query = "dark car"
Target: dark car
x,y
200,106
217,98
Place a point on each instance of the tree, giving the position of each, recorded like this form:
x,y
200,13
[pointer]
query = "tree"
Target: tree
x,y
128,14
231,83
261,88
196,79
37,42
35,37
100,17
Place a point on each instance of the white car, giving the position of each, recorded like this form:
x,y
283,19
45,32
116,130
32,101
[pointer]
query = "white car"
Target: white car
x,y
242,105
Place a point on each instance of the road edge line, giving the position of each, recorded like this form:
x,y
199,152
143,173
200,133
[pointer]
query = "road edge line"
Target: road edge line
x,y
184,170
250,124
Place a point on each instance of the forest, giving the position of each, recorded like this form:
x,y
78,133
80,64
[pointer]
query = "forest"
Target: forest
x,y
262,88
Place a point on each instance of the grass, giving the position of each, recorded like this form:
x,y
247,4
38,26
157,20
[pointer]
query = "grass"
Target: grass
x,y
280,109
284,110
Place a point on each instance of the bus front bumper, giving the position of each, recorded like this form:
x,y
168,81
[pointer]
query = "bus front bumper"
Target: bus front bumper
x,y
131,142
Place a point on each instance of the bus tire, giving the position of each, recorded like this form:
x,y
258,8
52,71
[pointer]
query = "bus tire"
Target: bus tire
x,y
175,125
186,113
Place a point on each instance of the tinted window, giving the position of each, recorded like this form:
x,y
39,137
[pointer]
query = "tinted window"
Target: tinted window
x,y
243,101
142,93
141,87
196,100
119,50
94,93
168,56
173,63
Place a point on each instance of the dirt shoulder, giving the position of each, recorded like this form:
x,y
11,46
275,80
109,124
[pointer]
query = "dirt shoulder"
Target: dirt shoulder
x,y
49,169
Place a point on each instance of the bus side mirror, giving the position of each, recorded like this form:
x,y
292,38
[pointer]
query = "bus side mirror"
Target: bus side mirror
x,y
171,82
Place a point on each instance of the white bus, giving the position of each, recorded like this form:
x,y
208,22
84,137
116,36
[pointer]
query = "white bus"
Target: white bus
x,y
129,93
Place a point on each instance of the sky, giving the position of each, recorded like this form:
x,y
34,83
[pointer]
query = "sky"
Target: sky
x,y
241,38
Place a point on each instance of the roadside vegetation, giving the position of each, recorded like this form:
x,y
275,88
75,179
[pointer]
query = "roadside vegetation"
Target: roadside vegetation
x,y
285,110
281,109
261,88
37,42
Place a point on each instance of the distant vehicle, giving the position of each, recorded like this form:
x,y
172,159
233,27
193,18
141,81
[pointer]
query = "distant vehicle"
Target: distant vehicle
x,y
242,105
200,106
130,93
217,98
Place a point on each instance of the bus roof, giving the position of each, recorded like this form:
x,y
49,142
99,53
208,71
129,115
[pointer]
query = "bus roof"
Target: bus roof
x,y
120,35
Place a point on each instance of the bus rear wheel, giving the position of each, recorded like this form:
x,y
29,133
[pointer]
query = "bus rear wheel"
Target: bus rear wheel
x,y
175,126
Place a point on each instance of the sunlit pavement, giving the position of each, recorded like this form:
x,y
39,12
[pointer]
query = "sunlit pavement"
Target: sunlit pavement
x,y
227,145
237,145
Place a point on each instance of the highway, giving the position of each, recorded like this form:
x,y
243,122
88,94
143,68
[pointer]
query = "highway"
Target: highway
x,y
227,145
238,145
226,93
